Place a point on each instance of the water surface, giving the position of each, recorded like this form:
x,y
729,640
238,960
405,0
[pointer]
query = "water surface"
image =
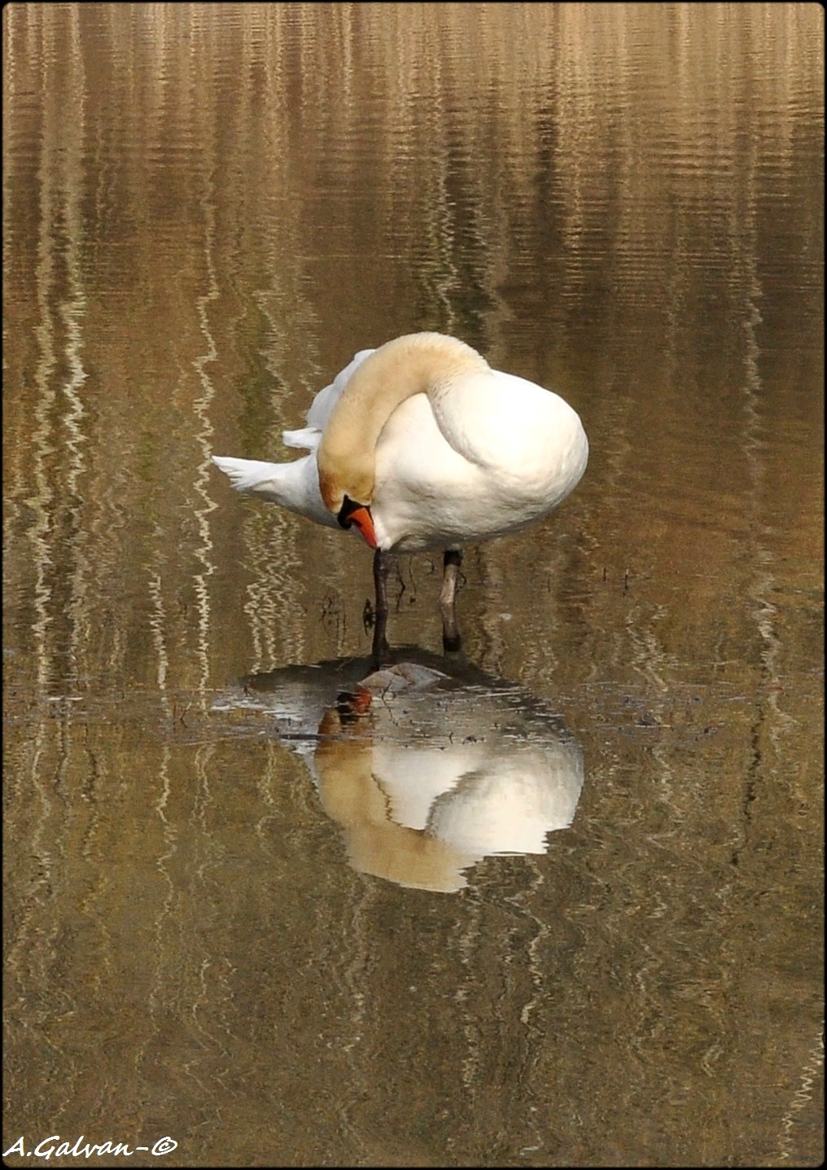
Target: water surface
x,y
207,210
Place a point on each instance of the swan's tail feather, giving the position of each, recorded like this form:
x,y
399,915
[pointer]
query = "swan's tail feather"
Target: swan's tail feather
x,y
306,439
244,474
293,485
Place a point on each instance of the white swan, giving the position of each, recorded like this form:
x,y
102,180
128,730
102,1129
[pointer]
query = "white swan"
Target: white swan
x,y
419,444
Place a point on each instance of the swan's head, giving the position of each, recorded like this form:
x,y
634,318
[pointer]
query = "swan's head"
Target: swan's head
x,y
346,457
348,495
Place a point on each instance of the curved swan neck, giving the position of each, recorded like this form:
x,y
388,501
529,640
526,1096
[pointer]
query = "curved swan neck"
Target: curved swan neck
x,y
415,364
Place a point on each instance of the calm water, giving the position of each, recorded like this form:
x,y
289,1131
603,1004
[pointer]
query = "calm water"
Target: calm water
x,y
282,936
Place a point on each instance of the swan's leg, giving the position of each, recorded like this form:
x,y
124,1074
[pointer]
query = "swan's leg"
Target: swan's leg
x,y
451,561
381,568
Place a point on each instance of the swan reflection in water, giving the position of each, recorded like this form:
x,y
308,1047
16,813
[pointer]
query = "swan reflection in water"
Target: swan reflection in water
x,y
427,766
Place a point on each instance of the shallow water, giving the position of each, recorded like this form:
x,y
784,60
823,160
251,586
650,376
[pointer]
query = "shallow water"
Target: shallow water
x,y
213,930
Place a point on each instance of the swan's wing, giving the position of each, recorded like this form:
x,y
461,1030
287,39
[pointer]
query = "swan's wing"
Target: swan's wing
x,y
322,405
321,408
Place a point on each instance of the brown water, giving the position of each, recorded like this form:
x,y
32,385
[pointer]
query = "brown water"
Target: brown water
x,y
224,923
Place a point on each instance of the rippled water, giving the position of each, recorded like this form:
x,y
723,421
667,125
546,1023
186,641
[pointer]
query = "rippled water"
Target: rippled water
x,y
282,934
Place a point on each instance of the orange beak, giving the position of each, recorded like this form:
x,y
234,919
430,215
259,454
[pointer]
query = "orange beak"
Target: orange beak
x,y
363,520
358,514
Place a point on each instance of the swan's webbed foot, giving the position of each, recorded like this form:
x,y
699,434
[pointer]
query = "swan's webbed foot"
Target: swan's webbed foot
x,y
451,561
